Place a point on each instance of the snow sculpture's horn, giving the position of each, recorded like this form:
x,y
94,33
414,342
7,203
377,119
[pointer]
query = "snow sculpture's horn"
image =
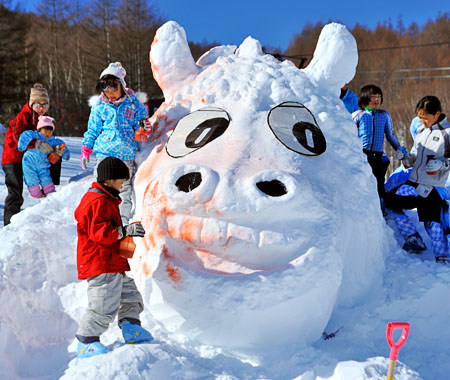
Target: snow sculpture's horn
x,y
335,57
171,58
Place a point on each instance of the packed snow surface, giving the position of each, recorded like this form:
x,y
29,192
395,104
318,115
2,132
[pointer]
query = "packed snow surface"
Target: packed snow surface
x,y
258,239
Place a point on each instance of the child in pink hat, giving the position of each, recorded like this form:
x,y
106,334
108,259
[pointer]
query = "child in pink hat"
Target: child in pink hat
x,y
35,162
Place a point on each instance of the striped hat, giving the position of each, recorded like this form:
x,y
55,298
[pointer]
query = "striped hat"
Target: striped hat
x,y
38,94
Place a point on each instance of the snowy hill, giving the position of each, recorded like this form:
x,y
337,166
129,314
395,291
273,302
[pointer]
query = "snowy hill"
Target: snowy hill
x,y
326,261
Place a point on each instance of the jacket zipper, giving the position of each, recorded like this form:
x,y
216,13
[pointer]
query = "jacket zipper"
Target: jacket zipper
x,y
421,156
373,130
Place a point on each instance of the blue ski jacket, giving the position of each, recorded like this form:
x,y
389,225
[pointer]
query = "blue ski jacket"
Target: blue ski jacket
x,y
372,126
36,167
111,127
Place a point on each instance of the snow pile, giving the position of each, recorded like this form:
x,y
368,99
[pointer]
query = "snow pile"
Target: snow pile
x,y
220,264
253,249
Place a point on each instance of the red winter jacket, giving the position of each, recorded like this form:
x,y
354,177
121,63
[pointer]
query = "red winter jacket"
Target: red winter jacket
x,y
25,120
98,220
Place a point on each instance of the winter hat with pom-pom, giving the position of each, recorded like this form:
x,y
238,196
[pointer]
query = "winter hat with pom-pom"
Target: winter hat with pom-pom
x,y
112,168
116,70
38,94
45,121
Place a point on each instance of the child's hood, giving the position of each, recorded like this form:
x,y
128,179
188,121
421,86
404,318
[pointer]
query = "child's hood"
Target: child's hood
x,y
96,99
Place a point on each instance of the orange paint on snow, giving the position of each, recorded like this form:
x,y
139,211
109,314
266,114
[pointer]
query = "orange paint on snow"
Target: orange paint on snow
x,y
190,230
173,273
147,270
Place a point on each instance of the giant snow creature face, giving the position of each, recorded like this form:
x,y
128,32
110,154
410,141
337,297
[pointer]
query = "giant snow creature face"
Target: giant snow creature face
x,y
251,194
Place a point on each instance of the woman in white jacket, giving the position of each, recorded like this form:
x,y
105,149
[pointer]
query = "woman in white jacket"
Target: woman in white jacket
x,y
430,163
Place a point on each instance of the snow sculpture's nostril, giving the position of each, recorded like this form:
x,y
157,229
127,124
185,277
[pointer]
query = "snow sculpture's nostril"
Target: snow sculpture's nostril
x,y
272,188
189,181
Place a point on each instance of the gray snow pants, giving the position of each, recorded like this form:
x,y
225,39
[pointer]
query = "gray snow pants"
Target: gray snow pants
x,y
109,294
126,193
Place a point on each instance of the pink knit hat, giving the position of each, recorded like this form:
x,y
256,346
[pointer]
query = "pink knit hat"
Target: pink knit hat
x,y
45,121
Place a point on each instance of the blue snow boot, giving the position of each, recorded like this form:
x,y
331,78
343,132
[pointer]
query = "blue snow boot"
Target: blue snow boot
x,y
86,350
414,244
135,333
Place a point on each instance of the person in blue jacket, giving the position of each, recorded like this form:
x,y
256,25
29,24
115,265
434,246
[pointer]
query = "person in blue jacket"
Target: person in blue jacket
x,y
114,119
35,163
373,124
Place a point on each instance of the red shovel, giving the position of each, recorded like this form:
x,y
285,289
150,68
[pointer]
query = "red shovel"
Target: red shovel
x,y
395,346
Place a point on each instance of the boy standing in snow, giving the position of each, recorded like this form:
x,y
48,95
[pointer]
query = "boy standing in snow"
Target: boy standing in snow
x,y
113,121
373,124
35,163
425,188
110,291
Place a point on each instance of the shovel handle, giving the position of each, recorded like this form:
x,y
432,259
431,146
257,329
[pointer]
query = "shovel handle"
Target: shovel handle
x,y
391,370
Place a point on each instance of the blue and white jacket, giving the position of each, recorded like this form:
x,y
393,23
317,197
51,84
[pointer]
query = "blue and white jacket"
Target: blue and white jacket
x,y
372,126
111,127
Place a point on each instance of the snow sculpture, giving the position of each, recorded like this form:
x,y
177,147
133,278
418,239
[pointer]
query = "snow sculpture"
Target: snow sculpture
x,y
254,195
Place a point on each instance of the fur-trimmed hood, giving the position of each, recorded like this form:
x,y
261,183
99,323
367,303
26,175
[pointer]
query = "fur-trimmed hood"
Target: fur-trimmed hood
x,y
96,99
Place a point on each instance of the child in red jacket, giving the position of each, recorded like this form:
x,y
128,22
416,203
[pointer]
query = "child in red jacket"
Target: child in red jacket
x,y
110,291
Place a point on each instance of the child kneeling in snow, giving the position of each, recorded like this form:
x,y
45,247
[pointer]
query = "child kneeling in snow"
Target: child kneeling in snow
x,y
35,162
110,291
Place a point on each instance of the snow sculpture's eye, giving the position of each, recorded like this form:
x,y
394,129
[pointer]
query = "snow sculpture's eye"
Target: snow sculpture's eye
x,y
296,128
196,130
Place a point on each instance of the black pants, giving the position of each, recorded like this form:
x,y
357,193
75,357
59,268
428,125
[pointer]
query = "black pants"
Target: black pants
x,y
14,184
428,209
55,171
379,169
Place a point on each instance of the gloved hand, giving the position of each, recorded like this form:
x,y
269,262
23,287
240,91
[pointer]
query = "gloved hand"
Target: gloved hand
x,y
401,153
434,165
60,149
145,123
85,153
134,229
43,146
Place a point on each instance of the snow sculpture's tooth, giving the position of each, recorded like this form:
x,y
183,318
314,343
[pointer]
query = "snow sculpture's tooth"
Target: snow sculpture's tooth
x,y
271,238
213,232
239,235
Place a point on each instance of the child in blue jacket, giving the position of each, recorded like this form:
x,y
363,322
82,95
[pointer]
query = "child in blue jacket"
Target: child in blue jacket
x,y
35,163
373,124
113,121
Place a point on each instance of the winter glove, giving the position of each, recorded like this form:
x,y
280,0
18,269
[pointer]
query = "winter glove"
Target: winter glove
x,y
85,153
145,123
401,153
134,229
43,146
60,149
435,165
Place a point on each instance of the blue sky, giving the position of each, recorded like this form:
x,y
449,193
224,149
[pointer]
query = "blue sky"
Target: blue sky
x,y
274,22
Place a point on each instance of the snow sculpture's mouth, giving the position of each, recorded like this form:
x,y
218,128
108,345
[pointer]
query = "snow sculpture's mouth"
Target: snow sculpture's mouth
x,y
220,247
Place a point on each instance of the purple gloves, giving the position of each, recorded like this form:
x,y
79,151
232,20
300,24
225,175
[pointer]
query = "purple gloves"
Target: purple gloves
x,y
85,153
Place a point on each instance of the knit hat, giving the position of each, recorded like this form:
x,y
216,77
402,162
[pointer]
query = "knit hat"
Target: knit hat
x,y
115,69
38,94
112,168
45,121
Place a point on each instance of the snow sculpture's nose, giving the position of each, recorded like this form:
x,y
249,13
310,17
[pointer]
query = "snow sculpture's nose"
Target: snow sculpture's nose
x,y
189,181
273,188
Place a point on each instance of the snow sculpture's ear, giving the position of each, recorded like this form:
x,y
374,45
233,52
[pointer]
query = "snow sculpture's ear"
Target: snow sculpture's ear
x,y
335,58
171,58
